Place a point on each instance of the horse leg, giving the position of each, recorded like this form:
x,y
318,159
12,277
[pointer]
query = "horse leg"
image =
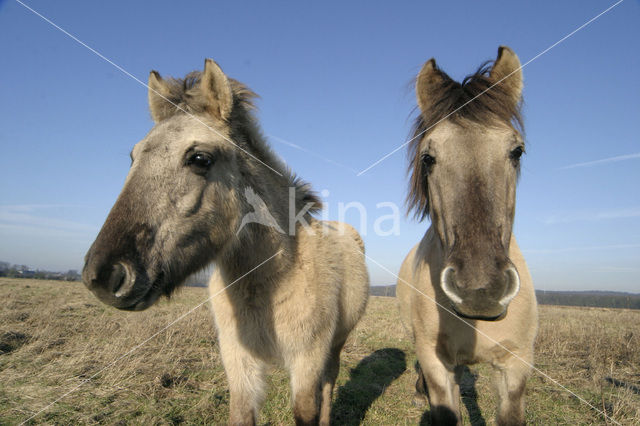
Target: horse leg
x,y
512,379
421,385
306,372
245,375
419,398
441,390
328,382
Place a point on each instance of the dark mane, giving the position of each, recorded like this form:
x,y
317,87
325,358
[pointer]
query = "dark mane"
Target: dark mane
x,y
186,97
493,104
453,101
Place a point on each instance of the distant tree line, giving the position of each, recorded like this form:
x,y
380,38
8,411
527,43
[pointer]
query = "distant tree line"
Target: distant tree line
x,y
594,299
23,271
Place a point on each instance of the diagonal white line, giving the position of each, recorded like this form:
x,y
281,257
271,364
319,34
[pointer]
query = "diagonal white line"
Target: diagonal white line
x,y
602,161
127,73
497,343
135,348
492,86
328,160
308,151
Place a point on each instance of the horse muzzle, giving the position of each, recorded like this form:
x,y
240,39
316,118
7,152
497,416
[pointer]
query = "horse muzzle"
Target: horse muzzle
x,y
120,286
487,303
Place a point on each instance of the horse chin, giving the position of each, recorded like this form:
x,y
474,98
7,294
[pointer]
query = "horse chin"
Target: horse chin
x,y
162,285
479,317
144,302
149,296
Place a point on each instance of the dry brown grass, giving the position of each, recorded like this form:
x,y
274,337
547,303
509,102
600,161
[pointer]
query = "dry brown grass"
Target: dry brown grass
x,y
595,352
55,336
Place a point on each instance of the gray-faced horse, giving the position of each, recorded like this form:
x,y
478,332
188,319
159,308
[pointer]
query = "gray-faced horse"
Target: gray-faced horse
x,y
464,292
286,298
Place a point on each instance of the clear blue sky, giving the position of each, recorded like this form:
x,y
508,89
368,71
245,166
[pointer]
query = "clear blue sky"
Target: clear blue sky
x,y
334,78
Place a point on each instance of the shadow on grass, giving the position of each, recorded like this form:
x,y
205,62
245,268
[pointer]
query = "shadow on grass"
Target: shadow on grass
x,y
469,398
620,384
367,382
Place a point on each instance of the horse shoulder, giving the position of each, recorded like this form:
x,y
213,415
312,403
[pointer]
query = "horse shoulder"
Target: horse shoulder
x,y
526,298
416,290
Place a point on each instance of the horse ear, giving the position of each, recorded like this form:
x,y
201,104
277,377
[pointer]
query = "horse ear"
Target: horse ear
x,y
508,72
216,88
159,104
429,80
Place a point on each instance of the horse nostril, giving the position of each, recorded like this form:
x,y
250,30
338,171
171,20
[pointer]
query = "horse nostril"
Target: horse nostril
x,y
121,280
117,277
512,286
447,282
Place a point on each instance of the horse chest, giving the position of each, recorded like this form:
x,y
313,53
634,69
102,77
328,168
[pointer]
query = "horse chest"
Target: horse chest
x,y
456,350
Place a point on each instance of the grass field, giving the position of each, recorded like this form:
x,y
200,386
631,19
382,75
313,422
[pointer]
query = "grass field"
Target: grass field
x,y
58,343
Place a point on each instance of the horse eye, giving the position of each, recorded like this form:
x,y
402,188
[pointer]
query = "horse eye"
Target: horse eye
x,y
428,161
200,162
516,154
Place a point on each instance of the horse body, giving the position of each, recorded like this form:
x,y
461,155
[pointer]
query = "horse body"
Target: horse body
x,y
464,292
444,341
288,288
299,318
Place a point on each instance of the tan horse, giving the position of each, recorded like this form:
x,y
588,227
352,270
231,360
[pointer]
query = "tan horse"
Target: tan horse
x,y
286,298
465,293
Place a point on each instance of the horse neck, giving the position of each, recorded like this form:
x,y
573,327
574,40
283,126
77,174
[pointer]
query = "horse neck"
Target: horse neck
x,y
260,254
259,246
271,179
